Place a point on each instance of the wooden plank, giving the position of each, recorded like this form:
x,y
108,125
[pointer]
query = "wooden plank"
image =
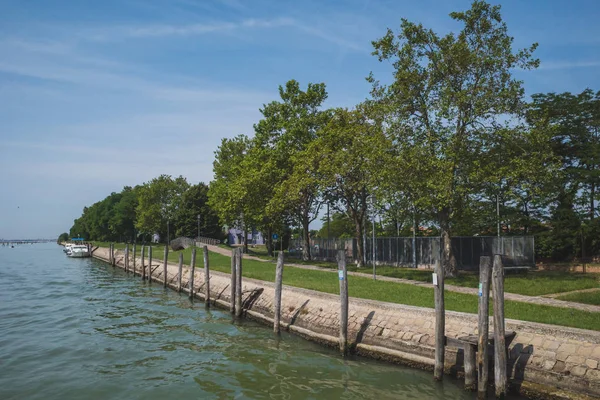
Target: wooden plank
x,y
278,287
343,279
165,260
143,273
180,274
150,264
485,269
191,279
500,381
206,277
440,321
470,370
238,284
233,282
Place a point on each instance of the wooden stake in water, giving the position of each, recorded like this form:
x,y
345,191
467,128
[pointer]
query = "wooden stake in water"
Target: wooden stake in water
x,y
180,272
233,281
149,264
440,321
134,257
127,257
499,328
192,267
165,265
206,277
143,273
277,301
485,269
343,279
238,284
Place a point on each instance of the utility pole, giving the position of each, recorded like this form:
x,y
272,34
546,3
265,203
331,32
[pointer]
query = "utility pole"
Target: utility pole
x,y
198,225
327,220
498,213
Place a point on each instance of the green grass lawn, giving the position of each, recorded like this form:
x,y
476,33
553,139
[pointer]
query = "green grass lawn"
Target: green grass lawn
x,y
367,288
584,297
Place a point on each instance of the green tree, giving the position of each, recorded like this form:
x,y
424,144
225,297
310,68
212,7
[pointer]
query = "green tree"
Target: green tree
x,y
159,201
340,226
63,237
285,131
194,204
227,195
443,107
347,157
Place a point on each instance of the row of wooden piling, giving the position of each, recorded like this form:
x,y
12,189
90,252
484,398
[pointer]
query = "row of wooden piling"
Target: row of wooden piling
x,y
490,274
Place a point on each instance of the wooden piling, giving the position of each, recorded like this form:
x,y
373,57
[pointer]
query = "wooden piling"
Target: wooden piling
x,y
143,272
206,277
440,321
278,284
470,369
180,272
165,265
500,381
238,284
233,281
149,264
192,268
485,267
343,279
134,257
126,258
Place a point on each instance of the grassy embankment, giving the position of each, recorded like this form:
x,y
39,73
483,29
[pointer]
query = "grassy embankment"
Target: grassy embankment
x,y
367,288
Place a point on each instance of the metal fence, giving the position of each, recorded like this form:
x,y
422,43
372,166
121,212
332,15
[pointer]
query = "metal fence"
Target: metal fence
x,y
424,252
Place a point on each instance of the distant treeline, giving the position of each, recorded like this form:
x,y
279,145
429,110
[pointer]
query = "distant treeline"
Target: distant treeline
x,y
162,205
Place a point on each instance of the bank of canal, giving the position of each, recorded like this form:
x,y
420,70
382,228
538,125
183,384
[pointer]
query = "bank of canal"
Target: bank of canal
x,y
80,329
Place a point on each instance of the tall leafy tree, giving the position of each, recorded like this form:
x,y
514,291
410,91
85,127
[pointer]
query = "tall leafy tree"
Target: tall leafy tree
x,y
348,155
285,131
195,217
159,201
444,103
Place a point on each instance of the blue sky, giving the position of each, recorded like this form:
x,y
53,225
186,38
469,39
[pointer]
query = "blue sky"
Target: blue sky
x,y
95,95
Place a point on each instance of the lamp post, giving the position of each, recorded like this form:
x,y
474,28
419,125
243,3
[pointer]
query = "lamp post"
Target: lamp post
x,y
198,225
168,233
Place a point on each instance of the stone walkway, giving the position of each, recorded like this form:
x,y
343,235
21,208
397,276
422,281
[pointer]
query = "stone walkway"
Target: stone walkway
x,y
541,300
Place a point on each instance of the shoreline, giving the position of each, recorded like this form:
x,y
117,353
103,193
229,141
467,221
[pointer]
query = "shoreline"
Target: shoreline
x,y
544,361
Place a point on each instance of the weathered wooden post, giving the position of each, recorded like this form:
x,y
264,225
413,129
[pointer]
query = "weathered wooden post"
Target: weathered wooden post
x,y
206,277
485,267
499,327
343,278
238,284
143,272
134,257
149,264
180,272
113,255
165,265
126,257
440,320
110,255
192,267
233,281
277,301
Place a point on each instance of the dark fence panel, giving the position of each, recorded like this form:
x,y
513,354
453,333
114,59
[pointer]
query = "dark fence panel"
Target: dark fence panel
x,y
398,251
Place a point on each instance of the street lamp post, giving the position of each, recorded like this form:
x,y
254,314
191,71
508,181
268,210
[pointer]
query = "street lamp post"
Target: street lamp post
x,y
198,225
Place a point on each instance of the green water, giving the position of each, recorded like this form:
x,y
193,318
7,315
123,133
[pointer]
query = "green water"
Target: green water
x,y
79,329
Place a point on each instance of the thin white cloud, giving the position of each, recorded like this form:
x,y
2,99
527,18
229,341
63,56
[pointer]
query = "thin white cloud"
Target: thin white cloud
x,y
557,65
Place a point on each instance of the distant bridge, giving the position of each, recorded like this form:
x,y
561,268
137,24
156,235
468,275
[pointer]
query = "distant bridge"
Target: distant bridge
x,y
10,242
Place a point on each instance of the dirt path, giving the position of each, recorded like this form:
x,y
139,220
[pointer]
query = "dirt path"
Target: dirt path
x,y
541,300
555,295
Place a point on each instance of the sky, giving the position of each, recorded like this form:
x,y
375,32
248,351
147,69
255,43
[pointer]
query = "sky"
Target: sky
x,y
97,95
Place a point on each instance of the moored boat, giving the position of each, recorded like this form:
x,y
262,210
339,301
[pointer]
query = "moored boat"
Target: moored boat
x,y
79,251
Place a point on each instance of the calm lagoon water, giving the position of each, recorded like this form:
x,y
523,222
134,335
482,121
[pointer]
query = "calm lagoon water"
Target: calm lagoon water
x,y
79,329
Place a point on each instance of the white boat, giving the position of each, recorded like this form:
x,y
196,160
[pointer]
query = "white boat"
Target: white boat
x,y
67,248
78,251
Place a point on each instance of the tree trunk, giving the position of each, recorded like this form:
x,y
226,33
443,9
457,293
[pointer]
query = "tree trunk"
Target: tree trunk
x,y
245,240
305,239
269,242
448,259
358,224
